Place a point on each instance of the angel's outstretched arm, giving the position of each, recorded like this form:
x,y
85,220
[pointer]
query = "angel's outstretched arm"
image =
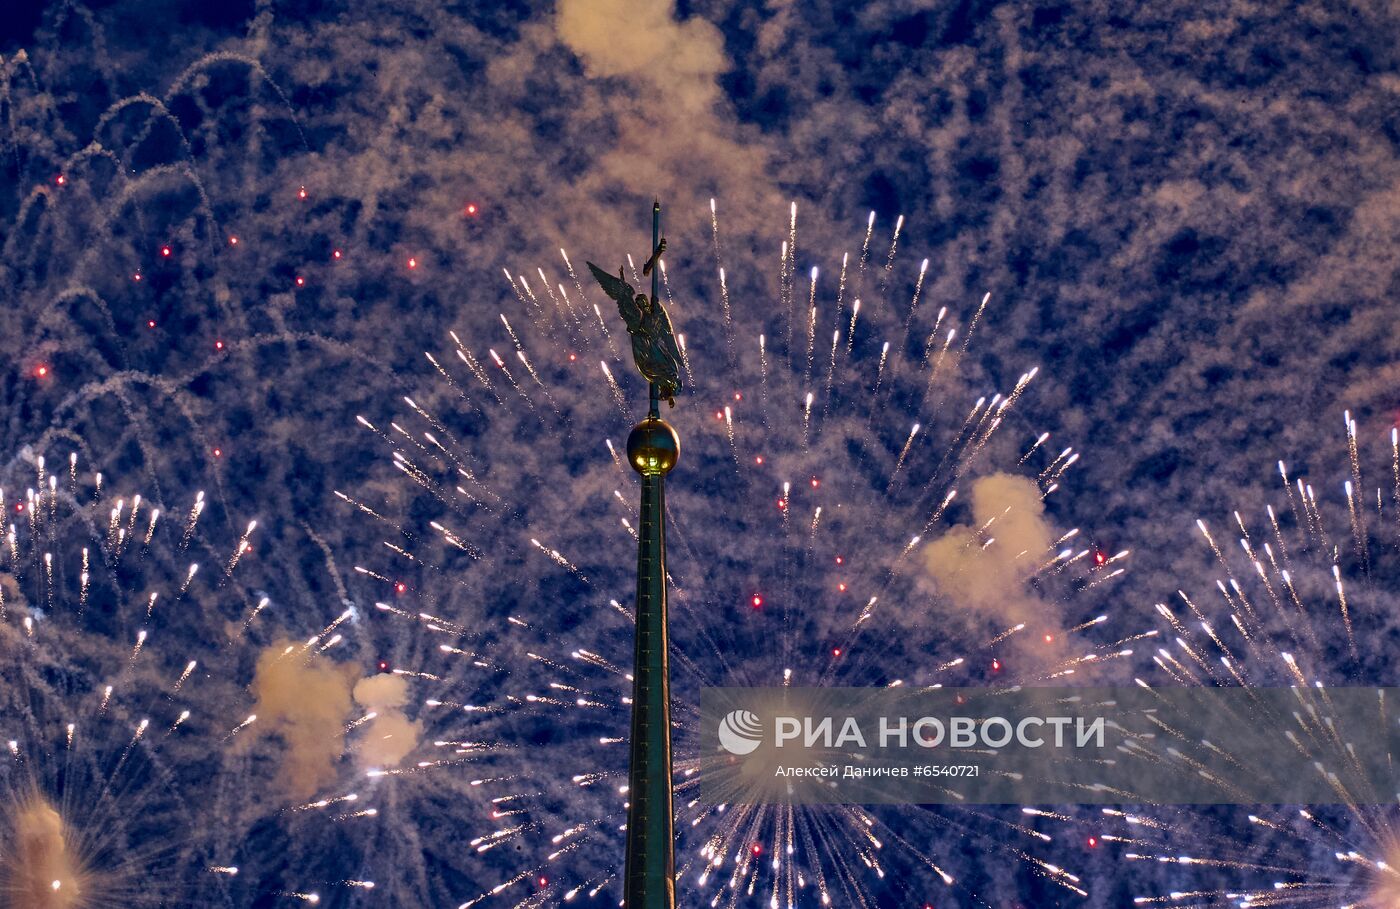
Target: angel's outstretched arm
x,y
655,257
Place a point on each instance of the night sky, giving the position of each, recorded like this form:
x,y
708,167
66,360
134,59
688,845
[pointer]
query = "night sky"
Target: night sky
x,y
229,230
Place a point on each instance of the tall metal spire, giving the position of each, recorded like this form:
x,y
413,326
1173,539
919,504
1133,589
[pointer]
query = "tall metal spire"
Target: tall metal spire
x,y
652,450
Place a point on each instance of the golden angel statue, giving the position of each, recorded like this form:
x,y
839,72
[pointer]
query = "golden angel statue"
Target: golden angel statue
x,y
653,340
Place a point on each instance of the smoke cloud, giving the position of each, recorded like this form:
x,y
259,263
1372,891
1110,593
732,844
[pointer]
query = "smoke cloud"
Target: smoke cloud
x,y
390,736
43,872
990,577
307,704
675,125
636,37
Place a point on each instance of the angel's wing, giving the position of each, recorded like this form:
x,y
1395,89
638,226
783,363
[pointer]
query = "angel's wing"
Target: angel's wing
x,y
623,294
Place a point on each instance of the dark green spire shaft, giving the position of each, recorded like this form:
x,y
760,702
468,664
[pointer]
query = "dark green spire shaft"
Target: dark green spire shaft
x,y
650,876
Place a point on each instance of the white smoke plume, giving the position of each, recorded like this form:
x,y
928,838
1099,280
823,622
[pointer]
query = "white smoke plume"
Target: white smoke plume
x,y
43,872
390,736
305,702
984,566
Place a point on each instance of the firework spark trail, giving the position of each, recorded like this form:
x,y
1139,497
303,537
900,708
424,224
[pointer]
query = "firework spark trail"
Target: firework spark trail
x,y
714,231
914,301
1353,488
933,333
851,329
937,370
880,371
976,317
614,388
865,244
841,290
730,340
787,268
903,454
666,285
1395,469
811,326
889,258
580,321
1039,441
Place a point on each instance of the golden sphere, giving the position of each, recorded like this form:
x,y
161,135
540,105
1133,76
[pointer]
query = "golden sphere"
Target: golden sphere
x,y
653,447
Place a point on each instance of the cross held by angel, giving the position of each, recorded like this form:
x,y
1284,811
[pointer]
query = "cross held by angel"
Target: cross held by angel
x,y
653,340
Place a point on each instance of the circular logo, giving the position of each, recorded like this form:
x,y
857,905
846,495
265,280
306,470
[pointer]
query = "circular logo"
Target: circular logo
x,y
740,732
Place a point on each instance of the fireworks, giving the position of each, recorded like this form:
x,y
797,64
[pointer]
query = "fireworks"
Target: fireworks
x,y
134,770
94,586
508,540
1304,600
802,516
858,502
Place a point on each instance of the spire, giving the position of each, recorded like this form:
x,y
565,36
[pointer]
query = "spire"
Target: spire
x,y
649,880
